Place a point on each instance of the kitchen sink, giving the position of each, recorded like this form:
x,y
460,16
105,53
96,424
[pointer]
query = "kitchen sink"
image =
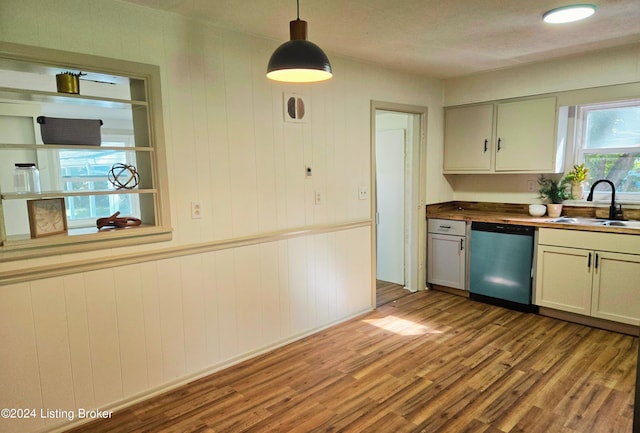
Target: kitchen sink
x,y
634,224
596,222
564,220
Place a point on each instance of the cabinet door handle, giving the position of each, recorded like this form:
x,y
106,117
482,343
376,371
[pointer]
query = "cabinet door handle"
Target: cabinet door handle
x,y
445,227
486,142
589,261
499,144
595,264
461,244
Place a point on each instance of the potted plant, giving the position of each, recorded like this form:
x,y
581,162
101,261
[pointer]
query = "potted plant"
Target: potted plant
x,y
577,177
555,192
69,82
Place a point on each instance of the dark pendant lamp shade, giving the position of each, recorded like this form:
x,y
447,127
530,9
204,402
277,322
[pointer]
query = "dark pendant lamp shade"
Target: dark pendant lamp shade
x,y
299,60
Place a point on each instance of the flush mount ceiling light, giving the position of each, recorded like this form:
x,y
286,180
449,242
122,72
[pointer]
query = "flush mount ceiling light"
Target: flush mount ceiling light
x,y
299,60
569,14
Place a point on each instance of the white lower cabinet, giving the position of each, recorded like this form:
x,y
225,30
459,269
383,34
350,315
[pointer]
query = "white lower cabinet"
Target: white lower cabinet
x,y
447,253
563,279
602,281
616,288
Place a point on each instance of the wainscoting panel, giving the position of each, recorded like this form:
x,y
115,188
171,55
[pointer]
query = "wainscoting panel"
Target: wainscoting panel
x,y
102,338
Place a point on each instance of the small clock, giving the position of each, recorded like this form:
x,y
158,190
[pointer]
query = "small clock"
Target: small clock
x,y
47,217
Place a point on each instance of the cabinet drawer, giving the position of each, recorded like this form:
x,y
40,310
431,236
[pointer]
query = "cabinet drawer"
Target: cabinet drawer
x,y
614,242
450,227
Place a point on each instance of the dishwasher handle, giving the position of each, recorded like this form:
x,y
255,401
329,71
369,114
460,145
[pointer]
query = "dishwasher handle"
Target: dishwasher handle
x,y
507,228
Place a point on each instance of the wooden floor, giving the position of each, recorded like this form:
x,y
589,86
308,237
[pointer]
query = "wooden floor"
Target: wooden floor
x,y
388,292
430,362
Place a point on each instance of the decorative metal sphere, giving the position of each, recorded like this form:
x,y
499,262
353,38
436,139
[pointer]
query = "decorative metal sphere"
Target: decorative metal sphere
x,y
123,176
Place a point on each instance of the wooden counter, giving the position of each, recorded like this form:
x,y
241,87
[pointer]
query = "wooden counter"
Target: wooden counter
x,y
519,214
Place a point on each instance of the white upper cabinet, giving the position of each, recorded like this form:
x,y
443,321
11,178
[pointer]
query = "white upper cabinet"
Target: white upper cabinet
x,y
506,137
526,135
468,139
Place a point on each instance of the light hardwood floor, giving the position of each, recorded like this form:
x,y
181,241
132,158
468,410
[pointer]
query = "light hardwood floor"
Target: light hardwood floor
x,y
430,362
388,292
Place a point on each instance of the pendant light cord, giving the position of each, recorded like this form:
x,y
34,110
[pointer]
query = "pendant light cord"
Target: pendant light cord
x,y
298,8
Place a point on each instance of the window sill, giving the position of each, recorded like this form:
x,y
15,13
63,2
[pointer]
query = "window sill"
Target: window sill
x,y
80,240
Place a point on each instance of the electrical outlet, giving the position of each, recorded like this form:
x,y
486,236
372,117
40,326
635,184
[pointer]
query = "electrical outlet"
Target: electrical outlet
x,y
363,193
196,210
531,185
318,198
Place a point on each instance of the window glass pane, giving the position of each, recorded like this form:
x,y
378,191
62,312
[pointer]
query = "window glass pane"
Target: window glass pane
x,y
88,171
102,206
100,169
623,169
124,204
78,207
613,128
73,171
77,186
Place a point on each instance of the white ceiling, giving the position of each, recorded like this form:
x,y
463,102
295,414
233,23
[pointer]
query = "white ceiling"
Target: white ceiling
x,y
439,38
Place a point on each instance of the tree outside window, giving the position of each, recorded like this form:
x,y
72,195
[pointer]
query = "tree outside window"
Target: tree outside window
x,y
610,145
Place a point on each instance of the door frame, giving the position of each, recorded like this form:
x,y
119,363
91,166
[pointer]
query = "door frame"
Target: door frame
x,y
418,206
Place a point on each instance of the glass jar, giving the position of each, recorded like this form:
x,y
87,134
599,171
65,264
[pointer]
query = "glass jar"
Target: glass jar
x,y
26,178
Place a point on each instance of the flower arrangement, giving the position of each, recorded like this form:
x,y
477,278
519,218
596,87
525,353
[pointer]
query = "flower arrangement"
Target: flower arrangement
x,y
578,175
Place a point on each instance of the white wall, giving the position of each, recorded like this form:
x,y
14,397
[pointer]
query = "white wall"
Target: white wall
x,y
603,68
101,338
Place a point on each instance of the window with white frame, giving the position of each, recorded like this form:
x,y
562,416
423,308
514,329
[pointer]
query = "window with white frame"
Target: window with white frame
x,y
608,143
86,171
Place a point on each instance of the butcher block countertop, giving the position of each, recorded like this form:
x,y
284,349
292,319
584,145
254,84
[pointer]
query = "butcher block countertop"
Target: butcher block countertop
x,y
581,217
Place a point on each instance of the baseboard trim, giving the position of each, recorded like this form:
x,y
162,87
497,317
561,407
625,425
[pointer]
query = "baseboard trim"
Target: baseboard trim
x,y
451,290
594,322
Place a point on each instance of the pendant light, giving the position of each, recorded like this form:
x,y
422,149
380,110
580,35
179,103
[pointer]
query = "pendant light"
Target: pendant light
x,y
299,60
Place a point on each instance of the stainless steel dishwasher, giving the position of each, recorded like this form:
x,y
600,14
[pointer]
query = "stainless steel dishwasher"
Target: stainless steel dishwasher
x,y
501,265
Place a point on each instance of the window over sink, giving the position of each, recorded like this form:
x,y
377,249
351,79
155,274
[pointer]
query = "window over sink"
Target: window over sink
x,y
608,143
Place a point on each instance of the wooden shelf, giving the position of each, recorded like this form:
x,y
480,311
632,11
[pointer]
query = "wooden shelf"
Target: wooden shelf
x,y
73,147
53,194
22,241
44,96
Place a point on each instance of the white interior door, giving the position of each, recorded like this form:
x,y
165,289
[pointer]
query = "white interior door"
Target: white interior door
x,y
390,200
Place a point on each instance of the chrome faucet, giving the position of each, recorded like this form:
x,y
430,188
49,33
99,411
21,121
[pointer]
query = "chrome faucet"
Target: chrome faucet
x,y
614,214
